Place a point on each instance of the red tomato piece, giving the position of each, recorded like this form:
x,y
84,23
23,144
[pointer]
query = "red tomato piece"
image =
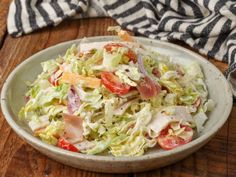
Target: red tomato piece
x,y
112,83
53,79
132,56
64,144
169,142
109,47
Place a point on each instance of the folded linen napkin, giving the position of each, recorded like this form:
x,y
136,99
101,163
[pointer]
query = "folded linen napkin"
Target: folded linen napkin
x,y
206,25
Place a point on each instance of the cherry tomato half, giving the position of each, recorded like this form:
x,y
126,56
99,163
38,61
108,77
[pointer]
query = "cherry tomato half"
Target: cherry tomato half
x,y
64,144
112,83
169,142
109,47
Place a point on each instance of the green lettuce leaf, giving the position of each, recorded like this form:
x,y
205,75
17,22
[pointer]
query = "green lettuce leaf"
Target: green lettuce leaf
x,y
51,132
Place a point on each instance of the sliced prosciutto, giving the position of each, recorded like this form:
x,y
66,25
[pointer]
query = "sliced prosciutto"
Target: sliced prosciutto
x,y
73,128
147,87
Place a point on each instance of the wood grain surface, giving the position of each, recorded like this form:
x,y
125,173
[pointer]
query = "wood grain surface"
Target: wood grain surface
x,y
4,5
18,159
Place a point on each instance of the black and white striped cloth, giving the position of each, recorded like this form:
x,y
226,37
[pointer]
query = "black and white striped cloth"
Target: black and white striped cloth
x,y
206,25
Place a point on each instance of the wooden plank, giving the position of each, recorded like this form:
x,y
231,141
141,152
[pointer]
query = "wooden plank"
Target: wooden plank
x,y
4,6
221,66
231,144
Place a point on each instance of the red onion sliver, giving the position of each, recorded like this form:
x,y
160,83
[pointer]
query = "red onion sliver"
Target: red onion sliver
x,y
141,65
73,100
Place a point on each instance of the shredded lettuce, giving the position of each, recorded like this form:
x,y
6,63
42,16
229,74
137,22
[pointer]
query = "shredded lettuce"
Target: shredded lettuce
x,y
132,145
49,66
51,132
189,96
92,98
109,111
120,125
172,85
100,146
111,60
194,71
128,74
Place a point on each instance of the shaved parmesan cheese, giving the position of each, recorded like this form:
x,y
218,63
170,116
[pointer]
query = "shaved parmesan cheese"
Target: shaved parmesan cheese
x,y
181,112
160,122
170,114
42,122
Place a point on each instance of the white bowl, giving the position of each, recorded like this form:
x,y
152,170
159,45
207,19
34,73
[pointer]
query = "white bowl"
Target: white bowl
x,y
12,98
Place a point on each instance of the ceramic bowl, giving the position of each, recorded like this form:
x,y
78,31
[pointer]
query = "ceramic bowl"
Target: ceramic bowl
x,y
12,98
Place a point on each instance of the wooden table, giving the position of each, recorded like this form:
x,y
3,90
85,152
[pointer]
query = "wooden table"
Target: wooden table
x,y
18,159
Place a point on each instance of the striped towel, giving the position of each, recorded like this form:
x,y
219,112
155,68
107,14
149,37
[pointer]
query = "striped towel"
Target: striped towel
x,y
206,25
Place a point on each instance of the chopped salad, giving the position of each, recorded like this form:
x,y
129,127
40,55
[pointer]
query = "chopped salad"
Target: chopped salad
x,y
116,97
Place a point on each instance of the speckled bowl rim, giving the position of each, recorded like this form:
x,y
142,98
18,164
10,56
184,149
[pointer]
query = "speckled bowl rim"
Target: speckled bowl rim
x,y
99,158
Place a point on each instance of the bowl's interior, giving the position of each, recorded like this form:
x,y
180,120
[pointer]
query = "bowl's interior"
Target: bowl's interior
x,y
216,83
